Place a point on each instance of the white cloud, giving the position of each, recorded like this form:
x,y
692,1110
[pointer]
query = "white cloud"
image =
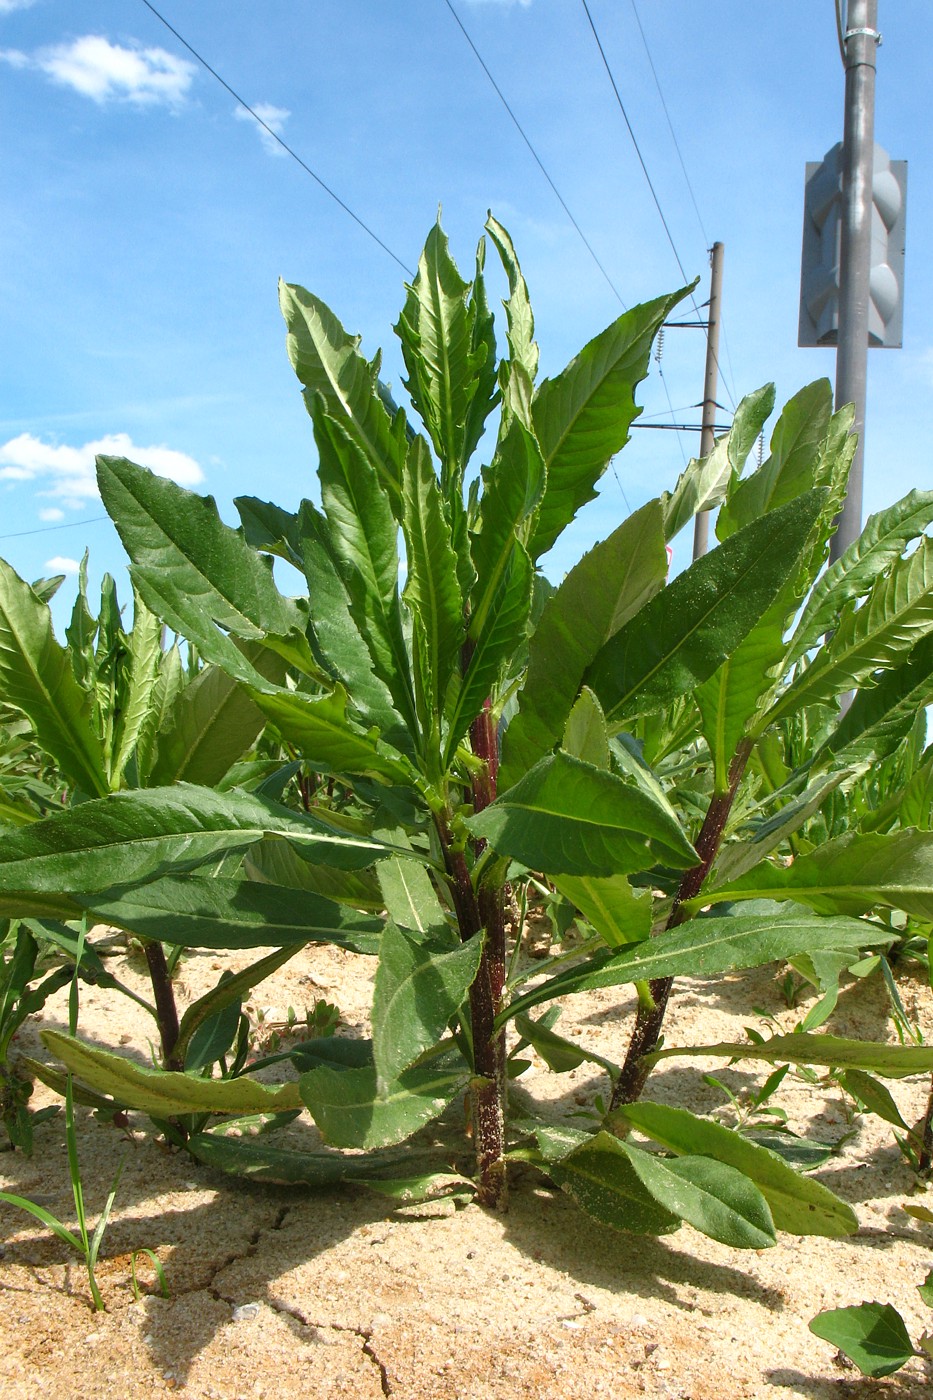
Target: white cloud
x,y
51,513
61,564
103,71
8,6
274,118
66,474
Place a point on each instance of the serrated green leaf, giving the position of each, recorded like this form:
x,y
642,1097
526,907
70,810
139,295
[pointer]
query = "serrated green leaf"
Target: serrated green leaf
x,y
36,677
192,570
558,1053
512,488
873,1335
881,542
568,818
164,1093
419,987
875,1097
798,1204
848,875
432,589
321,728
351,1112
269,528
596,599
702,485
702,948
586,734
329,365
686,631
341,644
410,898
138,699
713,1197
519,316
229,991
582,416
896,615
364,541
198,911
793,465
882,712
436,332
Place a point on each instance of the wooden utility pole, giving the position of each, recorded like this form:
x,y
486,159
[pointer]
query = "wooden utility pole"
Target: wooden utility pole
x,y
710,387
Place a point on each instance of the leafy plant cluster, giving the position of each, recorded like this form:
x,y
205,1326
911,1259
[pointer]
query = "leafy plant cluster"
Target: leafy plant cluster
x,y
670,760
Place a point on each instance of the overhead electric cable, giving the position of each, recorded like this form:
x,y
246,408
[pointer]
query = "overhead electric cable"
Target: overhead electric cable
x,y
47,529
657,82
276,137
641,159
521,131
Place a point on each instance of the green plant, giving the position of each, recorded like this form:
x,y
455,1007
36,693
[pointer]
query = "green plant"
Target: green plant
x,y
874,1335
84,1243
648,749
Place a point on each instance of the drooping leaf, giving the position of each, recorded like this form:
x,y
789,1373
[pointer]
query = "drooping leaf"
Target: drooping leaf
x,y
192,570
798,1204
601,1179
229,1149
329,365
737,857
686,631
166,1093
873,1335
881,713
598,596
568,818
703,948
322,730
228,992
36,677
711,1196
848,875
420,985
798,1048
582,416
558,1053
350,1111
875,1096
129,837
201,911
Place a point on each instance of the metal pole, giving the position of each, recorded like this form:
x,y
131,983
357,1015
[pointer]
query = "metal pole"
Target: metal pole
x,y
860,43
710,387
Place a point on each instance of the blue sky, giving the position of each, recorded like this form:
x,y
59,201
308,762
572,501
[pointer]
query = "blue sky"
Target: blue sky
x,y
145,221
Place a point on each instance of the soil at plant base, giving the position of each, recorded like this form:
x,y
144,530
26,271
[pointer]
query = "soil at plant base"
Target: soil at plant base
x,y
286,1292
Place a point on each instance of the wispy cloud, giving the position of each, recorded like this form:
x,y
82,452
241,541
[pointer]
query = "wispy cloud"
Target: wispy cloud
x,y
274,118
61,564
66,474
8,6
107,72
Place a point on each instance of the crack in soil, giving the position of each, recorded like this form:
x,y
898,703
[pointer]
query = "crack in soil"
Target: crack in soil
x,y
363,1334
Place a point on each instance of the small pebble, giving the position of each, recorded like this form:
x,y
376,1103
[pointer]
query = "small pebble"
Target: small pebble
x,y
246,1312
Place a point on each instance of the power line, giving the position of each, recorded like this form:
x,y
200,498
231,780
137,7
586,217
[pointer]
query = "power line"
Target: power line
x,y
47,529
654,193
670,124
641,159
276,137
538,160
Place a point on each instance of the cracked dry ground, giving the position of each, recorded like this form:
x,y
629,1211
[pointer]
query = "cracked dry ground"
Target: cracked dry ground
x,y
277,1292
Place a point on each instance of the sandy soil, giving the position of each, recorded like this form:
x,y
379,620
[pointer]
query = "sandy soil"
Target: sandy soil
x,y
287,1292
